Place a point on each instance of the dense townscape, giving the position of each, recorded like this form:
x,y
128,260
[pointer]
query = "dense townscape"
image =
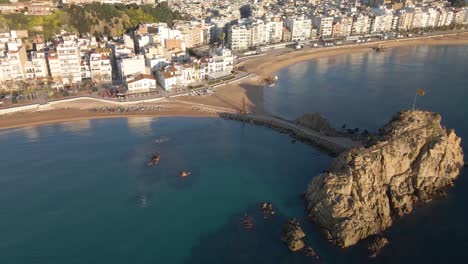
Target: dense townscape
x,y
197,45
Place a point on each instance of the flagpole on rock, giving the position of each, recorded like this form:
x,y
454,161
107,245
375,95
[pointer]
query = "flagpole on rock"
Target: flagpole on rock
x,y
420,92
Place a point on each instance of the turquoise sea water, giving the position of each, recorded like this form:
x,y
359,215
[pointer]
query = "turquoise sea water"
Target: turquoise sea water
x,y
81,192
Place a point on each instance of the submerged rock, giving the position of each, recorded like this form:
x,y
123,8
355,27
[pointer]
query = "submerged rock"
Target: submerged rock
x,y
292,235
376,245
414,160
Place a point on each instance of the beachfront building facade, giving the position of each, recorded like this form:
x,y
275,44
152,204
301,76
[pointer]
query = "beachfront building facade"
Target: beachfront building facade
x,y
324,25
246,33
300,27
219,64
69,59
141,83
131,66
273,30
100,68
13,59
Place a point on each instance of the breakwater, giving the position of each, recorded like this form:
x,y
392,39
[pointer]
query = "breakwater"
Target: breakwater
x,y
331,145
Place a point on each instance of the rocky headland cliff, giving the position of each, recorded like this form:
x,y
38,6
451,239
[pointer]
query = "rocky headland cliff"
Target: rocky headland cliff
x,y
412,160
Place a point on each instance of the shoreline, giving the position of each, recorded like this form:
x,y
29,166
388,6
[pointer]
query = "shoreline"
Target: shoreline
x,y
45,118
267,66
226,98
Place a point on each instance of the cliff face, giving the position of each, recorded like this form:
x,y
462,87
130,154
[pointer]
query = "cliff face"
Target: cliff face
x,y
414,160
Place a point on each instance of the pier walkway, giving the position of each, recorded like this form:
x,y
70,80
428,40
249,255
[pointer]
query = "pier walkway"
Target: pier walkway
x,y
332,145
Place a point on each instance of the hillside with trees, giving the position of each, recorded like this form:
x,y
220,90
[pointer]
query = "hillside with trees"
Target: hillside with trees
x,y
95,18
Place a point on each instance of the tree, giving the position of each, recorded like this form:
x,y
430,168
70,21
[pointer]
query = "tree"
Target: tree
x,y
457,3
223,36
245,11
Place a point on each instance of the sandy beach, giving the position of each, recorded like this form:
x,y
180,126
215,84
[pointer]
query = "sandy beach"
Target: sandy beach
x,y
269,65
230,97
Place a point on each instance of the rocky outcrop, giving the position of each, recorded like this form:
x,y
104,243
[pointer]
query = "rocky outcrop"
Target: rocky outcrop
x,y
414,160
318,123
293,235
376,245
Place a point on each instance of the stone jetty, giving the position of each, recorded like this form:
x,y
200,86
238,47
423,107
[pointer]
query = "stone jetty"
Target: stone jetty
x,y
333,145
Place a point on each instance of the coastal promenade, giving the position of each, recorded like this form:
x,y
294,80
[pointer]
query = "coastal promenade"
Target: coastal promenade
x,y
331,145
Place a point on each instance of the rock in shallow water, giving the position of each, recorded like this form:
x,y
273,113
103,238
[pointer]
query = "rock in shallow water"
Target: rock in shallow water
x,y
292,235
376,245
414,160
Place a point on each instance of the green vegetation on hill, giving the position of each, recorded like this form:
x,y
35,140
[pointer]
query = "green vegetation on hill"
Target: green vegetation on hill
x,y
458,3
95,18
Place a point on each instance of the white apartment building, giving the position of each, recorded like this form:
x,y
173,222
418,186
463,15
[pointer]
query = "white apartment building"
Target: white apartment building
x,y
36,66
100,67
70,62
346,24
405,19
12,62
381,20
417,18
361,24
169,78
131,66
54,66
220,64
273,31
324,25
246,33
300,27
141,83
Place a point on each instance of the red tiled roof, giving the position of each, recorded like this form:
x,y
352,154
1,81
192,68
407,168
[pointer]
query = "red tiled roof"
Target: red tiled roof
x,y
141,77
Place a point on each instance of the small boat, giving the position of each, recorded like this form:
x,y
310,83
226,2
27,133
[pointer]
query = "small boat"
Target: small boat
x,y
184,173
154,160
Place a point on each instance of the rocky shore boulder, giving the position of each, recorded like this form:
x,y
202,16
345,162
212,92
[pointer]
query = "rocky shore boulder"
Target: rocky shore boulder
x,y
376,245
414,160
318,123
293,235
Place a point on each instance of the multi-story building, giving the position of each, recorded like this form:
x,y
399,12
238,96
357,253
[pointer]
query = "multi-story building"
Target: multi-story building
x,y
405,19
300,27
69,59
131,66
381,20
273,31
246,33
100,67
220,63
324,25
361,24
36,66
13,62
193,33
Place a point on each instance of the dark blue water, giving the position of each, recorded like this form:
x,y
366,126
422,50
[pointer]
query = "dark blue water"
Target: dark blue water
x,y
81,192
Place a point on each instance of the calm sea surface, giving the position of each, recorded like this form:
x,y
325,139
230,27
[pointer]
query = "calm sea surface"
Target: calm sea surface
x,y
81,192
